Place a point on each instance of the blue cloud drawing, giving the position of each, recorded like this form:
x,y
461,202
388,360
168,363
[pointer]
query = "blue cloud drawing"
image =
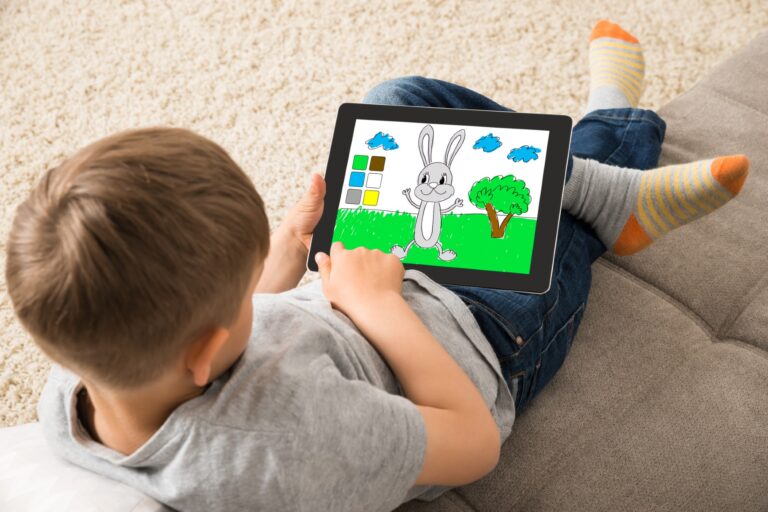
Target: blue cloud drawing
x,y
383,140
487,143
524,153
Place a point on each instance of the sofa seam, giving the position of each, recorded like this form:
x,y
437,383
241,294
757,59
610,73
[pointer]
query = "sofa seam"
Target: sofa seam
x,y
733,100
457,498
750,297
750,347
677,304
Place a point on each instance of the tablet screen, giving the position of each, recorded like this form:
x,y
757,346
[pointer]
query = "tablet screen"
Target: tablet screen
x,y
442,194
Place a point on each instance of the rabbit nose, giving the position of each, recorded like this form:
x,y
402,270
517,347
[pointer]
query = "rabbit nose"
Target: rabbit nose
x,y
433,184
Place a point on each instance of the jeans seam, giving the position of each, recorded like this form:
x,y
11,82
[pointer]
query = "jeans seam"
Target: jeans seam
x,y
632,117
557,280
540,358
565,324
520,377
620,145
534,379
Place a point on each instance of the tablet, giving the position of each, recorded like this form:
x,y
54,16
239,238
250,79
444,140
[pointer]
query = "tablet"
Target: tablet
x,y
469,197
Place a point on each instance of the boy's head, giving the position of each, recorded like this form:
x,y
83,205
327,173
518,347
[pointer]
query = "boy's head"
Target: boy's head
x,y
132,249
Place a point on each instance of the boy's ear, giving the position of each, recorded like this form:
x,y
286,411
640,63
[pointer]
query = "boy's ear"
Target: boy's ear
x,y
202,353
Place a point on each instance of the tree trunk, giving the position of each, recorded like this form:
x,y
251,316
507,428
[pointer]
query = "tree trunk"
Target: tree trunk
x,y
503,227
496,231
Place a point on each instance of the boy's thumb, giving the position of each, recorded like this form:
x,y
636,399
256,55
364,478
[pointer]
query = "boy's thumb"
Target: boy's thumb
x,y
316,190
323,265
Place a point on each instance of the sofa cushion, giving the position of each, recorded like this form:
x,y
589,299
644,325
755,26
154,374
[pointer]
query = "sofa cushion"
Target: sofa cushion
x,y
663,402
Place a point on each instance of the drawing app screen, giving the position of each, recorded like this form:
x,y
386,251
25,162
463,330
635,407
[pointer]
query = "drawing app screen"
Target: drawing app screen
x,y
443,195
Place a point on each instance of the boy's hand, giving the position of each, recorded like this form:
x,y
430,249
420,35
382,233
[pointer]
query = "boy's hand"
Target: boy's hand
x,y
357,278
304,216
289,244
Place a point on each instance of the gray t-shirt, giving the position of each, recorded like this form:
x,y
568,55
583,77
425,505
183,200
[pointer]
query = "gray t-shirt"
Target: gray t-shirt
x,y
310,418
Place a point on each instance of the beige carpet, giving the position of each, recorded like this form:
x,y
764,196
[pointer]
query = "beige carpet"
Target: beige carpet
x,y
264,79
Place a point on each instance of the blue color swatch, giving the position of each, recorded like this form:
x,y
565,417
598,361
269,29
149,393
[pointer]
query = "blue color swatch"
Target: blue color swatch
x,y
356,179
524,153
382,140
487,143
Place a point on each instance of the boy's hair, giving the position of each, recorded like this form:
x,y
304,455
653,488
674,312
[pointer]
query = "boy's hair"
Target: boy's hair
x,y
132,248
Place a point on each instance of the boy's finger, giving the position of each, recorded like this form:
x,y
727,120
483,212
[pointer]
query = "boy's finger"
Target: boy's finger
x,y
336,248
323,265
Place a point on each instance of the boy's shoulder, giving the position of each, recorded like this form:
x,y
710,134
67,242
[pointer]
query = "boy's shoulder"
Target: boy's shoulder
x,y
175,465
285,421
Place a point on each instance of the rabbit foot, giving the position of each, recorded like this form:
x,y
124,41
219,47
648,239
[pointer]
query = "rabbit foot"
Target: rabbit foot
x,y
447,255
398,251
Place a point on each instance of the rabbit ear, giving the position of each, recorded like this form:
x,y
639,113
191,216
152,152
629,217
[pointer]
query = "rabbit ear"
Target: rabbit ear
x,y
429,133
458,135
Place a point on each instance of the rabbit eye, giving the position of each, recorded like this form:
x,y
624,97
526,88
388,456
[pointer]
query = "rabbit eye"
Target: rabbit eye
x,y
442,179
424,178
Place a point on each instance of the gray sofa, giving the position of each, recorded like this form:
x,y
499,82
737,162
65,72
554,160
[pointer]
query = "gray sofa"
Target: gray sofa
x,y
663,402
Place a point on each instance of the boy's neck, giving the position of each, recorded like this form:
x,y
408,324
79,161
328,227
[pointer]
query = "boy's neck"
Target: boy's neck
x,y
124,420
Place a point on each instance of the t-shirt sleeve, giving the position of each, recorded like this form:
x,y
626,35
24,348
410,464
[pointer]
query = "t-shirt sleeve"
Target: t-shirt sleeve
x,y
364,446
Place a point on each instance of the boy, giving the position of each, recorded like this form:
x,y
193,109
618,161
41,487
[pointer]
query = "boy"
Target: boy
x,y
134,265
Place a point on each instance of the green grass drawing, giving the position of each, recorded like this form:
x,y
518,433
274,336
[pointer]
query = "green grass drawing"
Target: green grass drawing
x,y
468,234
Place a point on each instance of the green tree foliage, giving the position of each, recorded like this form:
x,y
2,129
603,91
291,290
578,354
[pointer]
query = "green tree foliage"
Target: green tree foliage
x,y
500,194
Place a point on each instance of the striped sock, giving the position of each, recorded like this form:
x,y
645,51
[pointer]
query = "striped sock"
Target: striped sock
x,y
630,208
616,68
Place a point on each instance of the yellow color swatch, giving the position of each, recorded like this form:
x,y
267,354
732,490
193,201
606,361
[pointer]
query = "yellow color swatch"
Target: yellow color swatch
x,y
371,197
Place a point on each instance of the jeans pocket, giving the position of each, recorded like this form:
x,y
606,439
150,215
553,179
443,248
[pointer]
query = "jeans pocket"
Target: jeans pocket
x,y
505,338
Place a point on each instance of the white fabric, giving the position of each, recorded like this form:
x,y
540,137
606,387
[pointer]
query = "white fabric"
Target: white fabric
x,y
33,479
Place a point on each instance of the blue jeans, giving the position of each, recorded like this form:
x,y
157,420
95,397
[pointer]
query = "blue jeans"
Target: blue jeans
x,y
532,334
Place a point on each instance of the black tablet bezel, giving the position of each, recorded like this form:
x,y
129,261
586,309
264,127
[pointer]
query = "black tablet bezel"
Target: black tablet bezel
x,y
550,201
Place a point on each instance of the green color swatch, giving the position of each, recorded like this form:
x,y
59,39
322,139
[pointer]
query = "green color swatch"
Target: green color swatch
x,y
360,162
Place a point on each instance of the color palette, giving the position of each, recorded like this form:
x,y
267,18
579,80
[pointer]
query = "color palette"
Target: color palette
x,y
369,196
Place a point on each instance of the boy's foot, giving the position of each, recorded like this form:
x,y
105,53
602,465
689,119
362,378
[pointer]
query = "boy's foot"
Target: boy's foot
x,y
630,208
616,68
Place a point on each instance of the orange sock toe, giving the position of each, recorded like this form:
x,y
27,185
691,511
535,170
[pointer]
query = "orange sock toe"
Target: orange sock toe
x,y
632,238
731,172
605,28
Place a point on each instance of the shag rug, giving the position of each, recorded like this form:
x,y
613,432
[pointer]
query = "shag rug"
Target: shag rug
x,y
264,79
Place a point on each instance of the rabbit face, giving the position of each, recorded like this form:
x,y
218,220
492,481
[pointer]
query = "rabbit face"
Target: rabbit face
x,y
434,183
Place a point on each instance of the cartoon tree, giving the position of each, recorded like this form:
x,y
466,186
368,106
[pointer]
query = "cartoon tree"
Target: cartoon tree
x,y
500,194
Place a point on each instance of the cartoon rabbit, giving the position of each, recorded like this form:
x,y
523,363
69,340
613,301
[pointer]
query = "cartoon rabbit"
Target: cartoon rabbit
x,y
433,187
